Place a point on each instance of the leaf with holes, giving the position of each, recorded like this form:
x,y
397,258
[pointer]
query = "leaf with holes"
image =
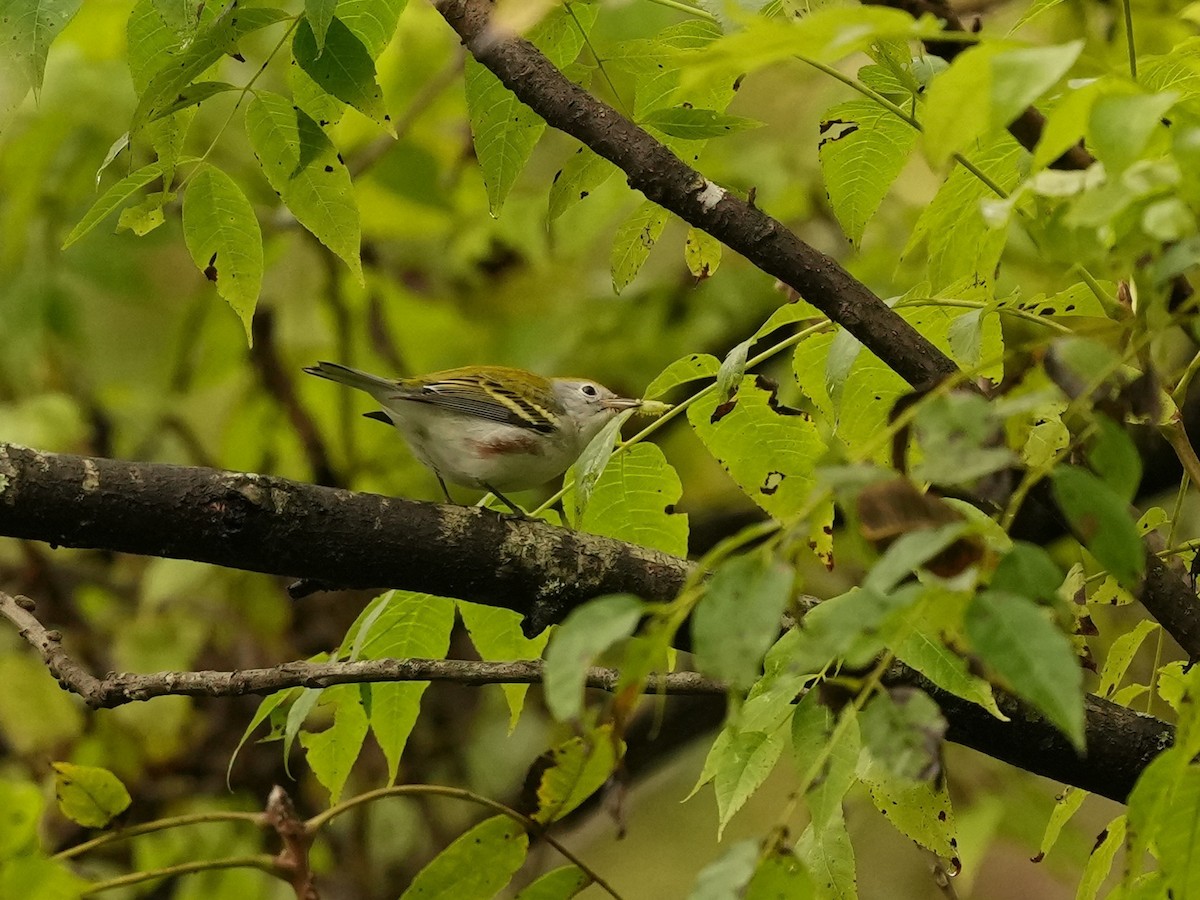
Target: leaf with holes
x,y
224,239
634,240
862,150
476,866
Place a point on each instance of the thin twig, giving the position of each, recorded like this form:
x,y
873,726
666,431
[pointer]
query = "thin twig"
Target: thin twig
x,y
118,689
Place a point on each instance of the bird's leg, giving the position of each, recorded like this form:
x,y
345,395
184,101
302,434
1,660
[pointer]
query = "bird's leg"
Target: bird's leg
x,y
517,511
445,490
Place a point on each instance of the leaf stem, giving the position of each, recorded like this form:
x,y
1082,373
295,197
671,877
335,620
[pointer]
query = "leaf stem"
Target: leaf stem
x,y
160,825
262,861
438,790
687,8
1127,9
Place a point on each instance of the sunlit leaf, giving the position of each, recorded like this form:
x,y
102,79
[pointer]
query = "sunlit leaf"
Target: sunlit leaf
x,y
306,170
223,237
576,769
331,753
584,634
693,124
413,626
634,240
475,866
685,369
497,635
114,197
343,68
89,795
768,449
634,500
863,147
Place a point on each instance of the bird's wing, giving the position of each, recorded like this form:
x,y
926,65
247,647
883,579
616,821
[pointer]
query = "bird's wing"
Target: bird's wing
x,y
483,399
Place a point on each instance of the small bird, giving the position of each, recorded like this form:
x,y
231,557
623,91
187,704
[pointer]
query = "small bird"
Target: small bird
x,y
489,427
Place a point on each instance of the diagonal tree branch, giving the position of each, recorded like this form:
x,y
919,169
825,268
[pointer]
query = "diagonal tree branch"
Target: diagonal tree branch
x,y
655,171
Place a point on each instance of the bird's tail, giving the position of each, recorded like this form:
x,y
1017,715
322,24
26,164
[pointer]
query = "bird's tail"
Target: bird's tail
x,y
364,381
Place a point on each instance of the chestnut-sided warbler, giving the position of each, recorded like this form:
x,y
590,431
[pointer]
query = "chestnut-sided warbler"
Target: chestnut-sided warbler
x,y
489,427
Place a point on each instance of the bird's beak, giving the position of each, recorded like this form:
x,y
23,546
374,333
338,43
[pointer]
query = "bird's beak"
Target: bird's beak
x,y
620,403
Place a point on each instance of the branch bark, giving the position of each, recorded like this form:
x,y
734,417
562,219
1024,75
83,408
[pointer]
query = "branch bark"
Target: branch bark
x,y
655,171
336,537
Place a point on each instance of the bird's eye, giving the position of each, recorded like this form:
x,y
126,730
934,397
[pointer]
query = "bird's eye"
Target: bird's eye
x,y
589,390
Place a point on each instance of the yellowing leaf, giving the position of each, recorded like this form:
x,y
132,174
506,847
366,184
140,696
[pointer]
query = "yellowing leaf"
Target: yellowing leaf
x,y
91,796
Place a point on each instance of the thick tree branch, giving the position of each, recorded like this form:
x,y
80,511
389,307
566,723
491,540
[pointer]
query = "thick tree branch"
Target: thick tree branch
x,y
655,171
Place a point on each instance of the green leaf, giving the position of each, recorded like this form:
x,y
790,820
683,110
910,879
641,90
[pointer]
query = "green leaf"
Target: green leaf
x,y
592,462
1100,863
1101,518
22,803
727,876
220,37
694,124
476,866
331,753
343,68
576,770
318,14
903,729
1113,456
1065,807
1017,639
372,21
738,617
961,243
193,95
748,758
27,28
39,878
265,708
634,500
1120,655
813,736
1029,571
768,449
780,875
304,167
1036,8
413,626
863,147
685,369
497,635
702,253
920,810
1167,779
585,633
920,644
557,884
826,35
961,440
505,130
88,795
908,553
1120,126
224,239
985,88
115,196
634,240
304,703
584,171
828,856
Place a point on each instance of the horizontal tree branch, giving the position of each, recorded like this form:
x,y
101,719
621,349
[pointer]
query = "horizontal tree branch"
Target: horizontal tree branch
x,y
655,171
119,688
341,538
